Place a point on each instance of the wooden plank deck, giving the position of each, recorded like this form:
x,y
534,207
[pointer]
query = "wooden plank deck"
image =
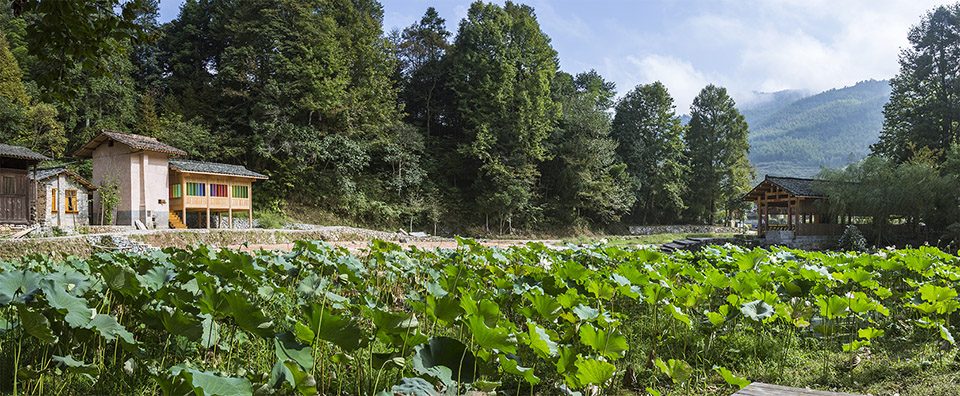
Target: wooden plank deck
x,y
762,389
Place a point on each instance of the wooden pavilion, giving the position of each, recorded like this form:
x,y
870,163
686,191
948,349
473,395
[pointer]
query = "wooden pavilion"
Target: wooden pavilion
x,y
210,188
792,204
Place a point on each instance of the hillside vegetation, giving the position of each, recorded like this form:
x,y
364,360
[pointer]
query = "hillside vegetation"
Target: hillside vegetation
x,y
429,127
794,135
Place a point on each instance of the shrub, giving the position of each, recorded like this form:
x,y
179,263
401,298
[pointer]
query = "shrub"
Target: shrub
x,y
852,240
272,220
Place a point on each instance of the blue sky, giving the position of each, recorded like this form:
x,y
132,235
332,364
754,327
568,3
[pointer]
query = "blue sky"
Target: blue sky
x,y
744,45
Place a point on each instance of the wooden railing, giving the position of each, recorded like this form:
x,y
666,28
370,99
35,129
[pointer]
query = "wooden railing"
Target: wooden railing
x,y
779,227
217,202
806,229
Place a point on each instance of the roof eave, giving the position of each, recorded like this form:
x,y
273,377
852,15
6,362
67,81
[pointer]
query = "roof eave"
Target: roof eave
x,y
261,177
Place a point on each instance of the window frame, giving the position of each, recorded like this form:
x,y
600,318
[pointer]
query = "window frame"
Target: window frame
x,y
54,208
8,181
67,203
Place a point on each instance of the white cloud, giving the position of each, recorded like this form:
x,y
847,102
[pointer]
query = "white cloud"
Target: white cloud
x,y
679,76
744,45
810,45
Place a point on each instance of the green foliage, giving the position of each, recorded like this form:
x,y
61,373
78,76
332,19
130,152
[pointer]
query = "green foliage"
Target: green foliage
x,y
421,49
501,69
730,378
852,240
319,320
796,134
586,182
271,219
650,141
923,109
68,37
109,199
678,371
11,78
717,147
22,122
918,194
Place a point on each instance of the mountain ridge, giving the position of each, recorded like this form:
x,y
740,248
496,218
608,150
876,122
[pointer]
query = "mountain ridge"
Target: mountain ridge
x,y
796,134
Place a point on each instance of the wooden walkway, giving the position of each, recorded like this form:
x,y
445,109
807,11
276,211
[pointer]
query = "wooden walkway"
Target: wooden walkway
x,y
687,244
762,389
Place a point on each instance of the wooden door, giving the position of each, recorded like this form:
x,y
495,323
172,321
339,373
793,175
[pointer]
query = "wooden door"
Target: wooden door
x,y
14,197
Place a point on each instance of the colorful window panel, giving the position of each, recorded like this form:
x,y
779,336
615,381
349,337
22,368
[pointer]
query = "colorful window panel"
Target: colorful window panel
x,y
196,189
241,192
218,190
176,190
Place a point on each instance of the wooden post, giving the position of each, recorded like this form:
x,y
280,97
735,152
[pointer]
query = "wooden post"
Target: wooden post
x,y
206,191
230,204
789,214
183,198
250,205
766,220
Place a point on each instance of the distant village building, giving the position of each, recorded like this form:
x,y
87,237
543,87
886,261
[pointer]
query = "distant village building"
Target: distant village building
x,y
139,167
200,190
18,196
63,198
161,191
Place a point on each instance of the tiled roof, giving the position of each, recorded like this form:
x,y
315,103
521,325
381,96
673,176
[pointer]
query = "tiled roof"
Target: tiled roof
x,y
799,186
796,186
191,166
8,151
136,142
44,174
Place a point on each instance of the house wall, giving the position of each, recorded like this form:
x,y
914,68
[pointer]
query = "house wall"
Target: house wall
x,y
141,178
59,217
154,208
111,164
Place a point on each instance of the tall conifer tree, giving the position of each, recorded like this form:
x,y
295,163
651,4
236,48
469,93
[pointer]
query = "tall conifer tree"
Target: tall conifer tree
x,y
924,106
717,149
501,69
584,180
650,141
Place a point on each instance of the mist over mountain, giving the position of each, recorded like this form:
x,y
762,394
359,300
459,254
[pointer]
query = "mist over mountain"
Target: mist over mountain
x,y
793,133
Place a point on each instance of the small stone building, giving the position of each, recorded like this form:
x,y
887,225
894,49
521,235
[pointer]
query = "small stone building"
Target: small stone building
x,y
63,198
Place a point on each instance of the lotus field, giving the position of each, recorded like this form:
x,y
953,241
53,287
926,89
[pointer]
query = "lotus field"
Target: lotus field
x,y
530,320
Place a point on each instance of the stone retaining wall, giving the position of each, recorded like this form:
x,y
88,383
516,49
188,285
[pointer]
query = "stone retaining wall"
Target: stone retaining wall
x,y
56,247
105,229
225,237
85,245
682,229
805,242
